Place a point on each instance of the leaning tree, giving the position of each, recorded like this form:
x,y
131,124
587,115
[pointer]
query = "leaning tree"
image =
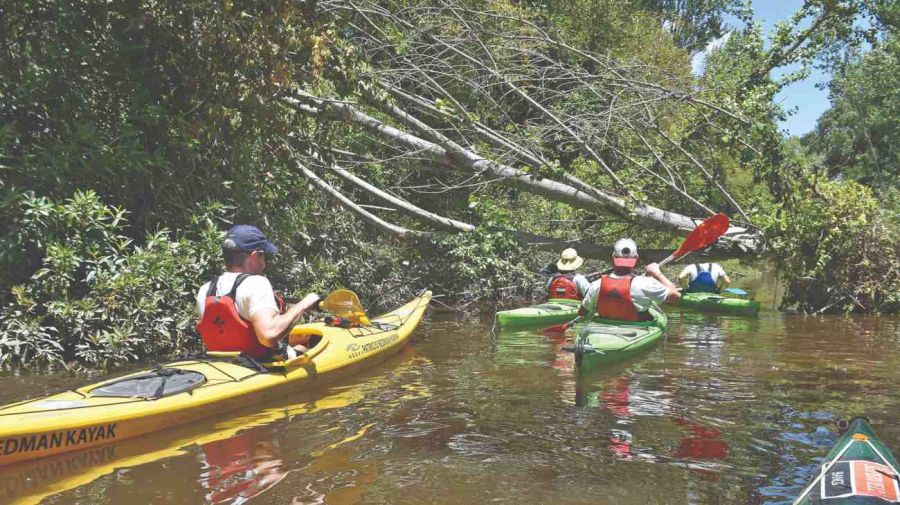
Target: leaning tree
x,y
476,93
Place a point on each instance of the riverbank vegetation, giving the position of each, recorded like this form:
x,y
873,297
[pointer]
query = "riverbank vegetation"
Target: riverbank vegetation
x,y
391,146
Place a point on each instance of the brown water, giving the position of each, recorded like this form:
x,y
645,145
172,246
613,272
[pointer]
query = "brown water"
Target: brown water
x,y
728,410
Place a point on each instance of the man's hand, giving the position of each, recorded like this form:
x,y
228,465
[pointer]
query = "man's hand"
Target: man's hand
x,y
652,270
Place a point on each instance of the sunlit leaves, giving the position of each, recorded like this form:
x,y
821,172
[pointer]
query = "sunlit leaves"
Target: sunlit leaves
x,y
97,299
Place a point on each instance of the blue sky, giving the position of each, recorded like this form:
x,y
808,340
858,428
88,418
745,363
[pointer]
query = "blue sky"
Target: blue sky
x,y
802,99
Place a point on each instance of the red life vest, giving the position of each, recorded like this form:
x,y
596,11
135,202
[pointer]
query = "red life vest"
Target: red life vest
x,y
223,329
563,286
614,301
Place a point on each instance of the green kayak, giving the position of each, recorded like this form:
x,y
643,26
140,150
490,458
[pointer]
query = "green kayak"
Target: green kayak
x,y
713,302
604,341
552,312
858,470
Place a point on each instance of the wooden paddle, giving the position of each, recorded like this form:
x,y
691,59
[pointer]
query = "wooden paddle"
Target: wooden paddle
x,y
701,237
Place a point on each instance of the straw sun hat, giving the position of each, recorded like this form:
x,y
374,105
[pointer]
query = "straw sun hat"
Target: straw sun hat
x,y
569,260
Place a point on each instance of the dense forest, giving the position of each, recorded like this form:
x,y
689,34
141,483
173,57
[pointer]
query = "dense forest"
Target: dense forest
x,y
389,146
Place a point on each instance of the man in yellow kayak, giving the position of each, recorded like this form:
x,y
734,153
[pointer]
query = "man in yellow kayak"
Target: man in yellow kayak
x,y
704,278
623,296
566,283
238,310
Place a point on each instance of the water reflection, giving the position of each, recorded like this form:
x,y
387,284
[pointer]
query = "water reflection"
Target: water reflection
x,y
238,468
727,410
703,443
234,459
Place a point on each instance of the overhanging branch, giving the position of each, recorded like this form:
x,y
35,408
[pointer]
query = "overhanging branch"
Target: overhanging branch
x,y
462,159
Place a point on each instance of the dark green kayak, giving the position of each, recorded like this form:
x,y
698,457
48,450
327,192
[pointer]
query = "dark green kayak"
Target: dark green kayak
x,y
605,341
552,312
859,470
713,302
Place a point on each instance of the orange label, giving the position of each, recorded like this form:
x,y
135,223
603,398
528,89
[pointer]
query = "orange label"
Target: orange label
x,y
872,479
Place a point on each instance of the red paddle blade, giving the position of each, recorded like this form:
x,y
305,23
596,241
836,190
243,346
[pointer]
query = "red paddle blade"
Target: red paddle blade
x,y
704,235
556,329
559,329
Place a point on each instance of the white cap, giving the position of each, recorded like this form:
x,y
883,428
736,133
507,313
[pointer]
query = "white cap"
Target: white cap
x,y
625,253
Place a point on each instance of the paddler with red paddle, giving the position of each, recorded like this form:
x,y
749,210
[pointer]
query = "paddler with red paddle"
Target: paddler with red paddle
x,y
622,296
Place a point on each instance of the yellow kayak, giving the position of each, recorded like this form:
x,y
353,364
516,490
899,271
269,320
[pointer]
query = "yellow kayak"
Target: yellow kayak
x,y
184,391
30,482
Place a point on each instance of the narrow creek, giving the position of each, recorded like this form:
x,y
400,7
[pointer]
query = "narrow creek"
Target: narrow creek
x,y
726,410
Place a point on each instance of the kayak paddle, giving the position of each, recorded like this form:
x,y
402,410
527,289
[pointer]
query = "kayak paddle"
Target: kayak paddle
x,y
559,329
701,237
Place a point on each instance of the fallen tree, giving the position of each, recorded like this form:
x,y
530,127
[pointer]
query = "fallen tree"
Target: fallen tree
x,y
585,248
736,243
503,99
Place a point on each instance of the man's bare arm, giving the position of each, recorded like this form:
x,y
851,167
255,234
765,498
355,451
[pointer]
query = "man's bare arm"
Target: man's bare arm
x,y
270,326
672,294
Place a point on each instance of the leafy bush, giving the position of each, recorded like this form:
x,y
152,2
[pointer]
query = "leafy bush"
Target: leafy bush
x,y
479,264
837,249
153,105
96,298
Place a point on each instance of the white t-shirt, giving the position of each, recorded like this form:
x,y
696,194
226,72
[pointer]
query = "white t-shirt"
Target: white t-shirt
x,y
644,291
253,295
580,281
715,270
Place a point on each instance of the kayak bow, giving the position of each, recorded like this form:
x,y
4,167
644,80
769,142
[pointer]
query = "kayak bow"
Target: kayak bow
x,y
858,470
552,312
712,302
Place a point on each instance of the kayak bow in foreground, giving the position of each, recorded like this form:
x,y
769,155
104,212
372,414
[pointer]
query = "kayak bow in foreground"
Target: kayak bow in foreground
x,y
859,470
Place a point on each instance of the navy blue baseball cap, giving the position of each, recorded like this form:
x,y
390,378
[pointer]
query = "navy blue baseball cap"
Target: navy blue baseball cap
x,y
248,238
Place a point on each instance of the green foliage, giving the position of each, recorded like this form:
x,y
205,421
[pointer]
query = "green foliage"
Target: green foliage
x,y
857,137
837,249
621,27
732,79
834,243
97,299
153,105
693,23
479,264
